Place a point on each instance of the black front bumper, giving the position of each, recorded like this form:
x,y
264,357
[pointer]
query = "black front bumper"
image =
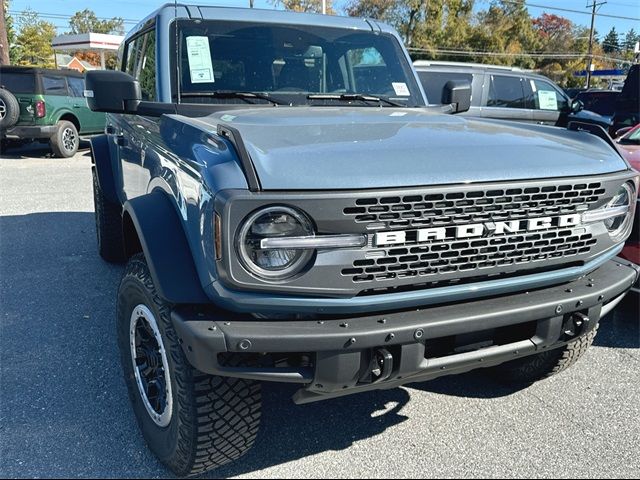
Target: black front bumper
x,y
28,132
342,348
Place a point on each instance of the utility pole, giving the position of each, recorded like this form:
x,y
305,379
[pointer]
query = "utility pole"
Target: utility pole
x,y
250,3
594,7
4,42
324,7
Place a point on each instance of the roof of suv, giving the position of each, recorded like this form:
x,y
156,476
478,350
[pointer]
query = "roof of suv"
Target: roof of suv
x,y
206,12
19,69
463,65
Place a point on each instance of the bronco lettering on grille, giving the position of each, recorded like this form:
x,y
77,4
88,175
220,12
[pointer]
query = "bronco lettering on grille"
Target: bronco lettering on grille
x,y
485,229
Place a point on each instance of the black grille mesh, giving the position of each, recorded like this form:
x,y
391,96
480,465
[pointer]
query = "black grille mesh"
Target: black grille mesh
x,y
437,209
427,260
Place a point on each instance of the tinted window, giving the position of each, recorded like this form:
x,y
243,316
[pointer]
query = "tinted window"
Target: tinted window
x,y
18,82
54,85
291,61
76,86
603,103
547,97
434,82
506,92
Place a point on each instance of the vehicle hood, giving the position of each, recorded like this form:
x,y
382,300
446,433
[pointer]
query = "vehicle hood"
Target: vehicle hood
x,y
327,148
591,117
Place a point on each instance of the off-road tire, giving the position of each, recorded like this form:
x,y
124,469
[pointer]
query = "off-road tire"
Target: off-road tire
x,y
65,141
9,109
536,367
109,233
215,419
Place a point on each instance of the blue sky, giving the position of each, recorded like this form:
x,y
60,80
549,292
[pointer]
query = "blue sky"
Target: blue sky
x,y
137,9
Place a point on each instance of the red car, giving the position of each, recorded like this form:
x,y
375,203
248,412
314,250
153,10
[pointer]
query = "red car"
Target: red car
x,y
629,144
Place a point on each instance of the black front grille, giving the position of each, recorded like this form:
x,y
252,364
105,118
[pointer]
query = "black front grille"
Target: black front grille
x,y
446,257
455,208
426,261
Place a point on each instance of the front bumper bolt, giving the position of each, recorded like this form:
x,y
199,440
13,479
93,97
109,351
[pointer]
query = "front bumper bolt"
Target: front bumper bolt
x,y
418,334
244,344
559,309
344,325
352,340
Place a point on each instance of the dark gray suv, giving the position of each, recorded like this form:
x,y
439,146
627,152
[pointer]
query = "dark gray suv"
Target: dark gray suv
x,y
507,93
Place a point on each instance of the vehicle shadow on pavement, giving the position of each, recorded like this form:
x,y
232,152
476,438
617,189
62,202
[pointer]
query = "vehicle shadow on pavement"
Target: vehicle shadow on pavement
x,y
289,432
621,328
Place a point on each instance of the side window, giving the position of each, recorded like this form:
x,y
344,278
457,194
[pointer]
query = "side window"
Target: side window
x,y
434,82
506,92
147,67
141,63
547,97
76,86
133,54
54,85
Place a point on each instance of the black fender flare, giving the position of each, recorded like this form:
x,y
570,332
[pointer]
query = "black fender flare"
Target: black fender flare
x,y
101,157
166,248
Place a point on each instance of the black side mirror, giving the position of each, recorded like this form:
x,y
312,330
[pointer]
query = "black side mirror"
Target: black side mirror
x,y
458,94
576,106
112,91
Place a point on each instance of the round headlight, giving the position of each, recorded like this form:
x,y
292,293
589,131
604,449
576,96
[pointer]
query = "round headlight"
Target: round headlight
x,y
273,222
618,226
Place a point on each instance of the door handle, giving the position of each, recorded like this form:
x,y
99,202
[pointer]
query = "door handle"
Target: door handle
x,y
76,106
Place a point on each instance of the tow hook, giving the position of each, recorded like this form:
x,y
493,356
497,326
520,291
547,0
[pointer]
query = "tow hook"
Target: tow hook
x,y
381,365
575,324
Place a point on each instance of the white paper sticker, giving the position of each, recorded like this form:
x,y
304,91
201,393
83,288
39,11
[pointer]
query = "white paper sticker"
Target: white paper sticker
x,y
548,100
199,56
401,89
533,85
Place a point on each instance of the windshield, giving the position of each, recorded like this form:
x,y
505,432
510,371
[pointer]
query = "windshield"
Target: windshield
x,y
290,63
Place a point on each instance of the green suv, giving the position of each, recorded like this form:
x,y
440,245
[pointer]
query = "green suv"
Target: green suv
x,y
45,105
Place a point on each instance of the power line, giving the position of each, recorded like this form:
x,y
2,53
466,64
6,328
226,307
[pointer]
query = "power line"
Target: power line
x,y
445,51
548,7
60,16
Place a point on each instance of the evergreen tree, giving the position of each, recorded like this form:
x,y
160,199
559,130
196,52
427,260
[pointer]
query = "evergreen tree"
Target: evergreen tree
x,y
630,40
611,42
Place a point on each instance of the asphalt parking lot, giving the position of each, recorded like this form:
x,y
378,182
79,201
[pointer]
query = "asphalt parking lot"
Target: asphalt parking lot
x,y
64,410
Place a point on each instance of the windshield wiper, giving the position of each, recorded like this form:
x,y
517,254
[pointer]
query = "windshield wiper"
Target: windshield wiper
x,y
246,96
349,97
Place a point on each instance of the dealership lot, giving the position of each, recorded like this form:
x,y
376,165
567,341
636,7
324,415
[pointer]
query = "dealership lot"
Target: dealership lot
x,y
64,409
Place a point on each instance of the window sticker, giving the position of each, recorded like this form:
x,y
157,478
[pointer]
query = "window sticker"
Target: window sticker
x,y
533,85
199,56
401,89
548,100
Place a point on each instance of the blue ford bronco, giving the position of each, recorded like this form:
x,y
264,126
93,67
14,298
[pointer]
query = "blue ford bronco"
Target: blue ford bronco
x,y
291,208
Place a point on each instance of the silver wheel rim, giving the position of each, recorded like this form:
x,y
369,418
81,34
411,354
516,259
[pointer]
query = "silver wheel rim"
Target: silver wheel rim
x,y
68,139
142,315
3,109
